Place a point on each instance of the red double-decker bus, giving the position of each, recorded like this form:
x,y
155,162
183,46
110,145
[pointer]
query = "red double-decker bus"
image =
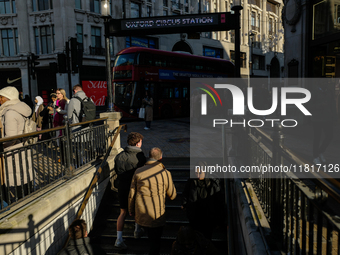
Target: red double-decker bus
x,y
166,75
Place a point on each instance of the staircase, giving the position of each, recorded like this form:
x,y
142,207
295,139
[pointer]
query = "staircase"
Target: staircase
x,y
104,230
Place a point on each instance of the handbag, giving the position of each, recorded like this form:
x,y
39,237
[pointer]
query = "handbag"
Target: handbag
x,y
141,113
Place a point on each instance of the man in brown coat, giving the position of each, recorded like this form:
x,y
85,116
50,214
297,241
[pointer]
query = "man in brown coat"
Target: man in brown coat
x,y
149,187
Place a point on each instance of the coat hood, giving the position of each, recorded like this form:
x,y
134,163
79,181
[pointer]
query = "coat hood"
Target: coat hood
x,y
18,106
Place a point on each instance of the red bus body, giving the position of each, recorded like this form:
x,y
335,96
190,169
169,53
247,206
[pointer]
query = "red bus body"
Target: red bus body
x,y
166,75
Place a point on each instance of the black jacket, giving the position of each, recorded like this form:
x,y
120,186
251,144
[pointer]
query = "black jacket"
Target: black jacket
x,y
82,247
203,197
126,164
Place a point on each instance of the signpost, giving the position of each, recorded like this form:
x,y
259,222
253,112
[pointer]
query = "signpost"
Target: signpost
x,y
221,21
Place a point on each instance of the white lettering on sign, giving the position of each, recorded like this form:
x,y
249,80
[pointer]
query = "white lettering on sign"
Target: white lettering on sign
x,y
168,22
97,85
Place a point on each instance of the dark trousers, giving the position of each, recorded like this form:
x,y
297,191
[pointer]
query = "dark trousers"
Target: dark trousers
x,y
148,124
325,128
154,236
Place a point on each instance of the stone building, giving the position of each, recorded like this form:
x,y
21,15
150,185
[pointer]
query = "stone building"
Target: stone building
x,y
43,27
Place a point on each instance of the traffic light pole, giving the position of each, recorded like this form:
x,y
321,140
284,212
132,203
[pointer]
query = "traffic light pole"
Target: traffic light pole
x,y
29,74
68,67
110,93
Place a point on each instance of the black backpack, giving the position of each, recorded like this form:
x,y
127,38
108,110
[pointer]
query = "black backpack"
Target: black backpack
x,y
87,110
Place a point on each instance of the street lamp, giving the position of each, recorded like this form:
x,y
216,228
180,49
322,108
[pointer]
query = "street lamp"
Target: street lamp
x,y
251,62
237,7
105,10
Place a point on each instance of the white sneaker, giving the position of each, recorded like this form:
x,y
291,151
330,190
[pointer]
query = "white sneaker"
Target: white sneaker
x,y
317,160
146,128
322,158
120,245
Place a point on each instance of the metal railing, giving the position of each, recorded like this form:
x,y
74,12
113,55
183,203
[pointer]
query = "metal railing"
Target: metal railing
x,y
27,168
301,218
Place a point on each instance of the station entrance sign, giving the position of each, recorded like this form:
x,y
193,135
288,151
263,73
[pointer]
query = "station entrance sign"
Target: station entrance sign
x,y
172,24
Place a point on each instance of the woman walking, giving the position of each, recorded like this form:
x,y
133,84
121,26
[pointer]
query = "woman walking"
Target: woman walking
x,y
148,103
39,107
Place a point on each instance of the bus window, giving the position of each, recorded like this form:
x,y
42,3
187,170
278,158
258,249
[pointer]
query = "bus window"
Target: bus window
x,y
160,60
167,92
185,92
145,59
125,60
176,94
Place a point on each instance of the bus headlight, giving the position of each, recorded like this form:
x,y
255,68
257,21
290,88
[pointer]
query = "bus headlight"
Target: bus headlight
x,y
131,111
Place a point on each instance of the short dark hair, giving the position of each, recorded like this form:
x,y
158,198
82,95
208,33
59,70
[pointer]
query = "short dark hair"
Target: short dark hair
x,y
155,153
77,86
77,229
134,138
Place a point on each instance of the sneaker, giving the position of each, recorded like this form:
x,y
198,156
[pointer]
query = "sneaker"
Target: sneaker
x,y
317,160
146,128
120,245
139,233
322,158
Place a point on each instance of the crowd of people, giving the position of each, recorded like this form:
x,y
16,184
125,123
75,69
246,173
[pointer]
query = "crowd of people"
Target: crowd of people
x,y
14,114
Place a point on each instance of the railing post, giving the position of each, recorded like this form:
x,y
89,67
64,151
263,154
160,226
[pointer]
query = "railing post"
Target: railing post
x,y
276,182
113,122
67,148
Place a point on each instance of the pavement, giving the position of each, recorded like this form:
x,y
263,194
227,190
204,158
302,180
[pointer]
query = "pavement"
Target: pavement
x,y
173,137
170,135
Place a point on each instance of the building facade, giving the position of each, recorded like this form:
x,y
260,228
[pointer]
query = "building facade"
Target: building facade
x,y
45,27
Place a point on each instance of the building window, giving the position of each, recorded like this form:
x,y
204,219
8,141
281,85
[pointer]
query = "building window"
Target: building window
x,y
95,6
147,42
186,5
258,62
42,5
165,12
10,42
7,6
80,35
253,15
175,4
271,27
135,10
255,2
165,2
258,22
44,39
96,37
148,11
271,7
78,4
212,52
243,57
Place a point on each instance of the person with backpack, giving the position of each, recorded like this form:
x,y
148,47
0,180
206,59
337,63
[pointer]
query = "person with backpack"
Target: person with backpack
x,y
13,115
80,108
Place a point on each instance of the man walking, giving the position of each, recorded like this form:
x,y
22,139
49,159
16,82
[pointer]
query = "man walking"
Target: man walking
x,y
126,164
149,187
74,106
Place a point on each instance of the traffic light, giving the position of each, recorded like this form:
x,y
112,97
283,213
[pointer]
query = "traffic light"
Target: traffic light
x,y
62,67
34,63
74,54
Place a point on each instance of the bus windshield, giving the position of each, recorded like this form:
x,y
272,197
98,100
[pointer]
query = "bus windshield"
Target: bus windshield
x,y
125,59
125,94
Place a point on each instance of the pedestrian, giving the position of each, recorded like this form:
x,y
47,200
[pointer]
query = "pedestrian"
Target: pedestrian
x,y
126,164
13,113
324,117
148,104
74,107
62,104
47,115
203,196
39,107
79,242
149,187
189,241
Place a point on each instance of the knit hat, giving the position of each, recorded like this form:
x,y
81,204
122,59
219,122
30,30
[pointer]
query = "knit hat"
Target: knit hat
x,y
10,92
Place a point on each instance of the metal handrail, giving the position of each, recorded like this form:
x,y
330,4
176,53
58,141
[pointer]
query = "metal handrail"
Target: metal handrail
x,y
96,177
6,139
